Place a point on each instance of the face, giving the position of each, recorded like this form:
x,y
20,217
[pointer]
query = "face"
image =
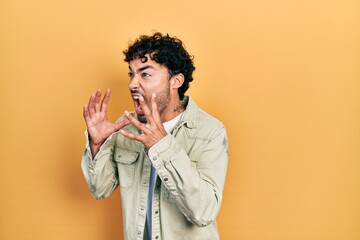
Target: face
x,y
147,78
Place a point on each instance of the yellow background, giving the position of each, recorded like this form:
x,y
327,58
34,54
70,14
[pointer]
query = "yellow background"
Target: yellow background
x,y
284,77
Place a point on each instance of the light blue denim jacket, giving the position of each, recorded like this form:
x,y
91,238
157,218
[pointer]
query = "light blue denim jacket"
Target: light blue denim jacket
x,y
191,164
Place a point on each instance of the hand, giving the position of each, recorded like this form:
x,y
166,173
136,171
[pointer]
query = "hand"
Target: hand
x,y
153,131
98,125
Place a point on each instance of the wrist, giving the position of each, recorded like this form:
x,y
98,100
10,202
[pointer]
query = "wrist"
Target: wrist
x,y
95,144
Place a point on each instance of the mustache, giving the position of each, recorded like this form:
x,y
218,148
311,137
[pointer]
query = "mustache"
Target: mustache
x,y
135,91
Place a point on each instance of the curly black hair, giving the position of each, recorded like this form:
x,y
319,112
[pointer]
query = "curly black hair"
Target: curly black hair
x,y
167,51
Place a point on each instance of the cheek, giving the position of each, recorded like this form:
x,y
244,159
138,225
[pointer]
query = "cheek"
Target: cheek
x,y
150,88
157,85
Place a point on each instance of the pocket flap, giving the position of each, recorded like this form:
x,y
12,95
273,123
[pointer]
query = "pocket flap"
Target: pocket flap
x,y
125,156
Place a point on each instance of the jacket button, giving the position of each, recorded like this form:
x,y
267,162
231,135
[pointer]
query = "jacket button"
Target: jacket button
x,y
166,179
155,158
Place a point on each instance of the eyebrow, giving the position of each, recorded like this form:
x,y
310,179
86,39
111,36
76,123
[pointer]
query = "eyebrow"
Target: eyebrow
x,y
143,68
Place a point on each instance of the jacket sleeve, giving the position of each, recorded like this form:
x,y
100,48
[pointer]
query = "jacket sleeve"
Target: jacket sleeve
x,y
197,190
100,172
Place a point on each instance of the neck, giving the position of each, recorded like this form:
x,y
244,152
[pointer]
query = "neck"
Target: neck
x,y
179,108
173,110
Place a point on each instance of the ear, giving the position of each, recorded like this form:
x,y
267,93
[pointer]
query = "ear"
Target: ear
x,y
177,80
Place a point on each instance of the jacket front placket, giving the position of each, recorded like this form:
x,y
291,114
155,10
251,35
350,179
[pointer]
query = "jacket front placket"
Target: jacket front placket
x,y
142,209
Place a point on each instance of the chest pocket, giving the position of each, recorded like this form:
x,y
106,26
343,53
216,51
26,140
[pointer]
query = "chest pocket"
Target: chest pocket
x,y
126,164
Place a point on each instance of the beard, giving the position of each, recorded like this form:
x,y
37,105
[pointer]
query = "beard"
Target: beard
x,y
163,99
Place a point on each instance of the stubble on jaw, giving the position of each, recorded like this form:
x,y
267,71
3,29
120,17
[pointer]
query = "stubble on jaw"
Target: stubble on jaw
x,y
163,99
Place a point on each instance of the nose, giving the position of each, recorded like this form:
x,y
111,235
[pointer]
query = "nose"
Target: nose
x,y
134,82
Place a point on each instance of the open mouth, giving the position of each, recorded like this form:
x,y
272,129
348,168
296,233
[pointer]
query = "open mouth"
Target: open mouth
x,y
138,109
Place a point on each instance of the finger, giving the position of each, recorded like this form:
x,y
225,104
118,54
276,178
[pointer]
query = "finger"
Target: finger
x,y
155,112
131,135
122,124
146,110
154,109
136,123
86,113
91,105
105,101
97,100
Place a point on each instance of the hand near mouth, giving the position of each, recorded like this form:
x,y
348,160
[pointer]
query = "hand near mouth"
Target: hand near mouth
x,y
153,131
98,126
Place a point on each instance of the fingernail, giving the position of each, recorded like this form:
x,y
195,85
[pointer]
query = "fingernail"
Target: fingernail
x,y
141,98
154,94
126,113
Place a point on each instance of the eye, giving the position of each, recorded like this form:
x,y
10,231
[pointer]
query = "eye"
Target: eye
x,y
145,75
131,75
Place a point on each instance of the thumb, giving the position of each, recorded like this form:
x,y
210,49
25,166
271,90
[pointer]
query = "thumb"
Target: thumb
x,y
122,124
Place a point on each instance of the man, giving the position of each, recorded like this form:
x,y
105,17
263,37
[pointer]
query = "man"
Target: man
x,y
169,157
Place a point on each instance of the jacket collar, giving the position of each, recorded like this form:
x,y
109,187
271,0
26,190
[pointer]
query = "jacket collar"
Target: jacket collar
x,y
191,113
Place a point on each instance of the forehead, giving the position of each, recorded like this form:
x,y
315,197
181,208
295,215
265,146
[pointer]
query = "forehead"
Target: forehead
x,y
138,64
